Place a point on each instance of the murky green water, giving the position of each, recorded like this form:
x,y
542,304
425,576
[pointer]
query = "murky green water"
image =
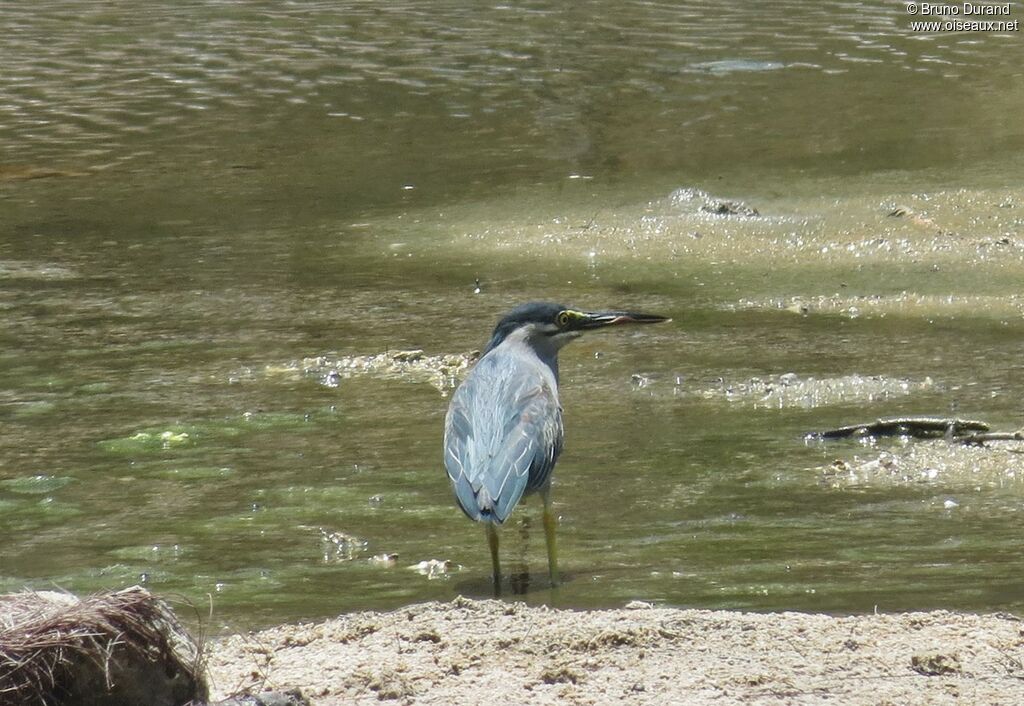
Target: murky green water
x,y
195,199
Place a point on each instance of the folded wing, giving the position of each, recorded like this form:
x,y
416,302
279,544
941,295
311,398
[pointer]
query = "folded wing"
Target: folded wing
x,y
503,434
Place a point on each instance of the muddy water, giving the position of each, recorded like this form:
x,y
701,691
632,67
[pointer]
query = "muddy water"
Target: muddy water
x,y
196,201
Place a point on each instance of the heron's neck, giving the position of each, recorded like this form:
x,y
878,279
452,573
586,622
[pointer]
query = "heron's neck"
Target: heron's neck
x,y
544,347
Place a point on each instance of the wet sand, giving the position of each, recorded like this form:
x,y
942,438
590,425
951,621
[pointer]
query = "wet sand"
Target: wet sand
x,y
472,652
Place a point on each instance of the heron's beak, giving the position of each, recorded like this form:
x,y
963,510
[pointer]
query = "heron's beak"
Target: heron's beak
x,y
600,319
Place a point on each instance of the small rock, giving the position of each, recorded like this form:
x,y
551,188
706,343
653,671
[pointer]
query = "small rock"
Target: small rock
x,y
434,568
339,546
729,208
390,685
640,380
406,356
933,664
561,675
292,697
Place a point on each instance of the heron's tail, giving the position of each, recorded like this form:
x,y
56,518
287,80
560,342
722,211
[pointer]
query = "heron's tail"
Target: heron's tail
x,y
481,507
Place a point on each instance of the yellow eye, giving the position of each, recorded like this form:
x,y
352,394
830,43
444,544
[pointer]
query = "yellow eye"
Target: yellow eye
x,y
563,319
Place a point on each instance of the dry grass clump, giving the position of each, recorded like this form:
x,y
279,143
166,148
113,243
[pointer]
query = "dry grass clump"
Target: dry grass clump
x,y
117,648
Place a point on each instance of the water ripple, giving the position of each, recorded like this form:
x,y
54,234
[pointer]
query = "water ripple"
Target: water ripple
x,y
81,76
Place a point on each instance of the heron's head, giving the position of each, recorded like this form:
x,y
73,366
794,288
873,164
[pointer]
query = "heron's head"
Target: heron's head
x,y
553,325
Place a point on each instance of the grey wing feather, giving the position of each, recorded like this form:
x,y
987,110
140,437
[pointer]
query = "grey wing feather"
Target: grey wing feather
x,y
503,434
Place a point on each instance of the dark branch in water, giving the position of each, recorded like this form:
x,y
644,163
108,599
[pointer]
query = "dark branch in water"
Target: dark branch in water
x,y
980,438
963,430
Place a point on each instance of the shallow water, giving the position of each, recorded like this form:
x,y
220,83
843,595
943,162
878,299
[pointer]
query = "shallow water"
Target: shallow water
x,y
195,200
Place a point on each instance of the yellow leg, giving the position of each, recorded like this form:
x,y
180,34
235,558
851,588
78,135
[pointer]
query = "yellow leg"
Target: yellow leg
x,y
549,534
492,540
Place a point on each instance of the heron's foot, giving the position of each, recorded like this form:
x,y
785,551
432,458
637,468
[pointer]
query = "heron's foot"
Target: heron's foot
x,y
554,574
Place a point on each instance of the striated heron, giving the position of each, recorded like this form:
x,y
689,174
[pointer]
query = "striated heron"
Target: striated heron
x,y
503,431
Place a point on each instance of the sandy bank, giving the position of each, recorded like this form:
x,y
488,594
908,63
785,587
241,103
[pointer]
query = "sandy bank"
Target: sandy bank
x,y
491,651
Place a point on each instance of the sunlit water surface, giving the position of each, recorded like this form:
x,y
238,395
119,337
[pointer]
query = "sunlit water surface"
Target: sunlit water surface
x,y
194,199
